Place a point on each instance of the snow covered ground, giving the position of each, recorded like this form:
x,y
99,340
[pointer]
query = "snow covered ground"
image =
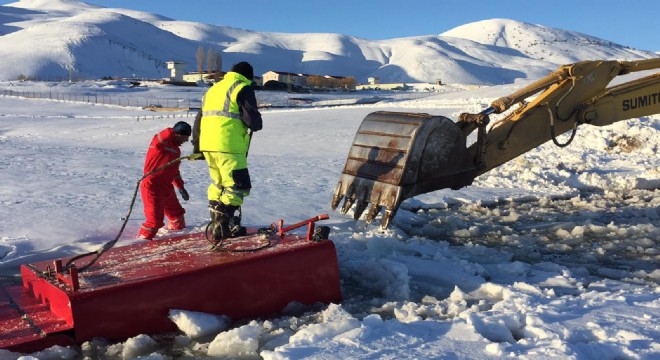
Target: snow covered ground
x,y
553,255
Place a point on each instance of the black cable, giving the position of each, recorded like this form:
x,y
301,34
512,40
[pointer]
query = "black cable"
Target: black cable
x,y
107,246
217,244
554,136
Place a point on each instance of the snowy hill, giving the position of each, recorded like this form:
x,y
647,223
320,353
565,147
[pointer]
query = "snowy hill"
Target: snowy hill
x,y
59,39
541,42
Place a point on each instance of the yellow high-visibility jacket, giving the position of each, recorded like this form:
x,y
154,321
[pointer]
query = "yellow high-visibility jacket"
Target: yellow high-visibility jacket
x,y
221,127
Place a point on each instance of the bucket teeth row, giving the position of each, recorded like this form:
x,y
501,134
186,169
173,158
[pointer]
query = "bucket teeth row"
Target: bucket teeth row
x,y
368,197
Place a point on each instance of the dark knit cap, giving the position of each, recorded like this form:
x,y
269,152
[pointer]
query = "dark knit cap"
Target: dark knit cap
x,y
244,69
182,128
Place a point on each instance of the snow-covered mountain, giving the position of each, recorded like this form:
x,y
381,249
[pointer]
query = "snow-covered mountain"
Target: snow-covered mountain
x,y
543,43
57,39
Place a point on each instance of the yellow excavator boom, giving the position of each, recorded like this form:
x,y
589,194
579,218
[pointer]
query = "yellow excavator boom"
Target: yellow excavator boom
x,y
395,156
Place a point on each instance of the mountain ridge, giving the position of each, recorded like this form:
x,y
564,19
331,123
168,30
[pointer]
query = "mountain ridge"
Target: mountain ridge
x,y
60,39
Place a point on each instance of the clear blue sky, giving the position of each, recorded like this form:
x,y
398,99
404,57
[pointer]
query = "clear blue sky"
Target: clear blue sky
x,y
634,23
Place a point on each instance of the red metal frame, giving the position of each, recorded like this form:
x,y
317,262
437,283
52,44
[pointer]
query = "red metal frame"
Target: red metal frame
x,y
72,280
28,325
281,230
130,290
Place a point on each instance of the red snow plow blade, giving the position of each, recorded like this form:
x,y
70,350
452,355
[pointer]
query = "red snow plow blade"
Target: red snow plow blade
x,y
130,290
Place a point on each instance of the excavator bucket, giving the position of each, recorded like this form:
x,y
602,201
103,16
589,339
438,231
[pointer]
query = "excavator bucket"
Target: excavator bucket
x,y
395,156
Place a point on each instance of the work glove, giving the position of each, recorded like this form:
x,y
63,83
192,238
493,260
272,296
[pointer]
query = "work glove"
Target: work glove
x,y
184,194
196,156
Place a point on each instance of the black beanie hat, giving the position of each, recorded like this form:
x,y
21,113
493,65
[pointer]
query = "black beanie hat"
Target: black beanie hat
x,y
244,69
182,128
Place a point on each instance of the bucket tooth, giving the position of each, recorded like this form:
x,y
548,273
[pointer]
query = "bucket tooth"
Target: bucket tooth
x,y
336,197
348,203
349,199
359,209
361,203
387,217
374,210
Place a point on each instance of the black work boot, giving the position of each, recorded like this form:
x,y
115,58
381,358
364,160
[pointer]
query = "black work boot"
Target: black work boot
x,y
220,217
224,224
235,224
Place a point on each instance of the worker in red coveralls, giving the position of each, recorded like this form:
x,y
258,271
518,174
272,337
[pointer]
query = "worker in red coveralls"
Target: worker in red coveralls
x,y
157,189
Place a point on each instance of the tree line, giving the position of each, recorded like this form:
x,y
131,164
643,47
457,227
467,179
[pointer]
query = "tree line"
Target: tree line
x,y
319,81
213,62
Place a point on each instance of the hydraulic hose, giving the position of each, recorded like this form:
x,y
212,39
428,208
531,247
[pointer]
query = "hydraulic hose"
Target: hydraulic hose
x,y
107,246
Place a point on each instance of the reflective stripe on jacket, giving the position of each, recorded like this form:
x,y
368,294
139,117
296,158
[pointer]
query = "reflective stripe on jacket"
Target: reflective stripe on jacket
x,y
221,126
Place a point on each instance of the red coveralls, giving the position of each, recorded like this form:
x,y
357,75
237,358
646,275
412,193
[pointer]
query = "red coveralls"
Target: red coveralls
x,y
157,189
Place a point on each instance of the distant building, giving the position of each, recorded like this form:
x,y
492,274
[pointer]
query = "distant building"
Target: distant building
x,y
308,80
177,69
207,77
373,83
285,77
377,86
211,77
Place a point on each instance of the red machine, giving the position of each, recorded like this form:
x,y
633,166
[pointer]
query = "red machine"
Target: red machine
x,y
131,289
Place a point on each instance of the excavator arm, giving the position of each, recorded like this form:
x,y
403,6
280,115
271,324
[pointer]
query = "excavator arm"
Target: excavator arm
x,y
395,156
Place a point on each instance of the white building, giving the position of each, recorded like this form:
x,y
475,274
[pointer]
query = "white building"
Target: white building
x,y
285,77
378,86
177,69
204,76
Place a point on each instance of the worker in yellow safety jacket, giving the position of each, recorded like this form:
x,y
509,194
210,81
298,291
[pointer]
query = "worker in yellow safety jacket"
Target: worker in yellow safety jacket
x,y
221,134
